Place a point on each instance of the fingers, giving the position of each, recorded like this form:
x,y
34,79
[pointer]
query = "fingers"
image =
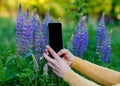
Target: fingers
x,y
54,69
54,54
49,59
63,51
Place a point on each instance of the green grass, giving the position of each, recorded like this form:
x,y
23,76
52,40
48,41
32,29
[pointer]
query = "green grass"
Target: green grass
x,y
7,33
17,70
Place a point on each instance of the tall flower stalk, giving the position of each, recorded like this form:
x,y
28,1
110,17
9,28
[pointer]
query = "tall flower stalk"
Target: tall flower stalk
x,y
25,32
101,34
28,27
106,49
29,30
45,28
36,67
19,27
103,46
70,46
38,39
80,39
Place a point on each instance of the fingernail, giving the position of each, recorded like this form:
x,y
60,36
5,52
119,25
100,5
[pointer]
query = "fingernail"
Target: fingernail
x,y
47,46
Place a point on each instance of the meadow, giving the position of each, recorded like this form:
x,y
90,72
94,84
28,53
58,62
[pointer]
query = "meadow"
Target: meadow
x,y
16,70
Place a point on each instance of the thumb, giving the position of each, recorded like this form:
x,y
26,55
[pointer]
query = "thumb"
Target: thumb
x,y
62,52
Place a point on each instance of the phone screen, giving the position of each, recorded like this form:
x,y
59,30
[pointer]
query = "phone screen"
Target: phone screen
x,y
55,36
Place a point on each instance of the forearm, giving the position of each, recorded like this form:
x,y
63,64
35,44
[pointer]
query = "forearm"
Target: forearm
x,y
76,80
99,74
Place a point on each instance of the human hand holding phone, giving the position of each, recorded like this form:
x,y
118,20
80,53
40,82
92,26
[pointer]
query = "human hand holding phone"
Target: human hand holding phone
x,y
58,65
68,57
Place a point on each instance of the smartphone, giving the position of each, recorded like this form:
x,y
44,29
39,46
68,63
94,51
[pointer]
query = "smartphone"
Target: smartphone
x,y
55,36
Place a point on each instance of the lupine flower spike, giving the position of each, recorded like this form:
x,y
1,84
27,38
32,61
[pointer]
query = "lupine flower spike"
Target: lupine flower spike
x,y
30,31
25,33
101,34
80,39
106,49
80,23
70,46
19,26
27,14
36,67
37,36
28,27
45,28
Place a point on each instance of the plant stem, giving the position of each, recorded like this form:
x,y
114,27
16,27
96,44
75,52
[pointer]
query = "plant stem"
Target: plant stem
x,y
36,80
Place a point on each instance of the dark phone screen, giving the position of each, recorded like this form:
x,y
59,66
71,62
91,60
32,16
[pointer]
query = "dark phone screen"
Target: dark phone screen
x,y
55,36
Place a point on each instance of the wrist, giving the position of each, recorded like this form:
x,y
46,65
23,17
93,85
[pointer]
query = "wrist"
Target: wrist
x,y
66,73
72,60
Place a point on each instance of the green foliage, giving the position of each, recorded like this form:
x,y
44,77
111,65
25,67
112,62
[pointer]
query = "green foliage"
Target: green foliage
x,y
17,70
93,8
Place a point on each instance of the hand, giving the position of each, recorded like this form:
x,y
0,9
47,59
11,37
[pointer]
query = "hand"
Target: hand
x,y
68,56
58,65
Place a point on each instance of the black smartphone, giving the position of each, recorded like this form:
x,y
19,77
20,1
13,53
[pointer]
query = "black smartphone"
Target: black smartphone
x,y
55,36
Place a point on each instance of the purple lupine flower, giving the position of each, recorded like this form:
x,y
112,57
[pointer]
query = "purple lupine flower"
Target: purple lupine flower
x,y
70,46
30,35
106,50
24,38
101,34
27,16
80,23
19,27
80,39
37,36
45,28
25,33
28,26
29,30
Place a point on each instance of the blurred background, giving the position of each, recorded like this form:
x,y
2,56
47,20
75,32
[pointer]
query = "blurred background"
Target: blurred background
x,y
61,8
68,12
